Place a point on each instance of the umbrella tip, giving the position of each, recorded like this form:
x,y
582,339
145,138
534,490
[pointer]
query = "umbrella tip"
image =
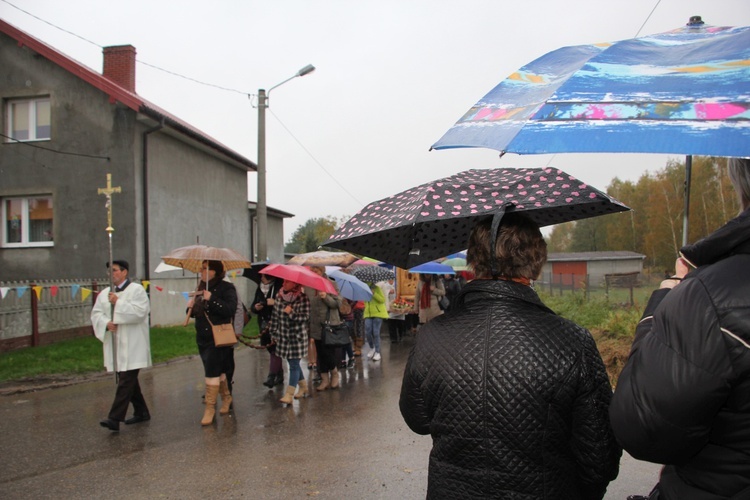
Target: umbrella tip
x,y
695,21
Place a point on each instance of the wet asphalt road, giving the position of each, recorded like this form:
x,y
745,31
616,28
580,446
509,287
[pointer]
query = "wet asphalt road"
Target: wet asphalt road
x,y
348,443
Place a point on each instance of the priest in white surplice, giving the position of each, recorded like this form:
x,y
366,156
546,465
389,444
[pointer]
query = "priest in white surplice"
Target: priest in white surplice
x,y
131,328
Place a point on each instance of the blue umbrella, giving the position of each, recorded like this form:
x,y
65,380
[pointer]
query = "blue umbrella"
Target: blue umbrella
x,y
350,287
432,268
686,91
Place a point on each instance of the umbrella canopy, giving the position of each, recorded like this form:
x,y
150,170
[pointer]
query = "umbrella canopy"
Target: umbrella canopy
x,y
432,268
435,219
373,274
301,275
192,257
350,286
456,263
323,258
163,268
253,272
686,91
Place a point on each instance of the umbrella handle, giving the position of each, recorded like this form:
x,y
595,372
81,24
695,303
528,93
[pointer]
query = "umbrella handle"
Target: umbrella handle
x,y
187,318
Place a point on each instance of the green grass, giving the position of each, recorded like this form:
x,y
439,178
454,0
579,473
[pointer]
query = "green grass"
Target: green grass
x,y
84,355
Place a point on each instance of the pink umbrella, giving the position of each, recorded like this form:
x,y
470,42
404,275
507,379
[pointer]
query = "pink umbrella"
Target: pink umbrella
x,y
301,275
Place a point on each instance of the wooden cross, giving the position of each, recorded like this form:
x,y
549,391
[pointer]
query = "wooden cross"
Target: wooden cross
x,y
108,192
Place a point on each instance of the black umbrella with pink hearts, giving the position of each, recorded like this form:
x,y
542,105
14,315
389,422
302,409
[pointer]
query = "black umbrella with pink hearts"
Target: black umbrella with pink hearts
x,y
435,219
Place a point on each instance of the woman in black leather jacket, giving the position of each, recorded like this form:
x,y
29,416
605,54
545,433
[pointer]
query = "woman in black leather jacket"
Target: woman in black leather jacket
x,y
514,396
683,398
215,302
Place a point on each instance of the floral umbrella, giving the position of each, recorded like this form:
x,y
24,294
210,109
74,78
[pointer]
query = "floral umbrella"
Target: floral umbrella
x,y
686,91
435,219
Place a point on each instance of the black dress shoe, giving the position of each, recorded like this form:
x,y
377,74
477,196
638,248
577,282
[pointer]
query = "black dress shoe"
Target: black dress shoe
x,y
270,381
136,419
110,424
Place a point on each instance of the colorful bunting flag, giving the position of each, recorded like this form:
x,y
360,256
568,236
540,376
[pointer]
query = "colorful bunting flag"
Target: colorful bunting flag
x,y
85,292
21,290
38,291
74,290
145,284
4,291
53,290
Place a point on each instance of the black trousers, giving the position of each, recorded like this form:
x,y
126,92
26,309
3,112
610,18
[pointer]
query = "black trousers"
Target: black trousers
x,y
128,391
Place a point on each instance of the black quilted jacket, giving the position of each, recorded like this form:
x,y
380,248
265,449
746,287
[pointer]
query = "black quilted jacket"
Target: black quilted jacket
x,y
683,398
515,398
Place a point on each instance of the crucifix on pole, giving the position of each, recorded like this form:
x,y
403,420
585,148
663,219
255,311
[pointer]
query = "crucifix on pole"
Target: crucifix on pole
x,y
108,192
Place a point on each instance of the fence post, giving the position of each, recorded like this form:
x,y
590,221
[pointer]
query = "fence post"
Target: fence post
x,y
34,317
588,288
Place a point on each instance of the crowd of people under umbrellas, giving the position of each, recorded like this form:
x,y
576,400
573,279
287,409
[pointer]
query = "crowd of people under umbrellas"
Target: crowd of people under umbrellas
x,y
516,398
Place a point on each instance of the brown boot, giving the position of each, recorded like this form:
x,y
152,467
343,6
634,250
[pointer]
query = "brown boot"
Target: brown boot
x,y
301,390
325,384
226,397
289,395
335,379
208,415
358,343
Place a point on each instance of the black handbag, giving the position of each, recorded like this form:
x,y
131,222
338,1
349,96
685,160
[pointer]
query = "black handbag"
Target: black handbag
x,y
444,303
334,335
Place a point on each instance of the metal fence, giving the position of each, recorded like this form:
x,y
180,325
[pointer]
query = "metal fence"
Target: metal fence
x,y
41,312
587,284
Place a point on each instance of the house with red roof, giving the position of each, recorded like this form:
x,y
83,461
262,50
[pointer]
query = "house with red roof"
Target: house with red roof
x,y
66,128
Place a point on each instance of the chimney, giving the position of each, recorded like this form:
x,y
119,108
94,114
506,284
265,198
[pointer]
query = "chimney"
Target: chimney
x,y
119,65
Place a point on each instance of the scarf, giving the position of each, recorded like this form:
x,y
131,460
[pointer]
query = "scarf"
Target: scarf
x,y
424,298
290,295
265,288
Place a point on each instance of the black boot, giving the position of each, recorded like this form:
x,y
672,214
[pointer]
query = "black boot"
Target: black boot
x,y
280,378
270,381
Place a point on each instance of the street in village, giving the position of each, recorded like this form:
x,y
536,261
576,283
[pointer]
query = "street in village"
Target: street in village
x,y
345,443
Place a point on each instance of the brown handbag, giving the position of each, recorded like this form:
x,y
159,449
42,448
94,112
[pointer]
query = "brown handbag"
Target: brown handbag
x,y
224,335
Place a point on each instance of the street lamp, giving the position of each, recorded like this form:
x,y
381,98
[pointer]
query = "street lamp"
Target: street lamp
x,y
262,209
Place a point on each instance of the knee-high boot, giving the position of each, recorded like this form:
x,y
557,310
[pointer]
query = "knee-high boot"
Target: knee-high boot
x,y
208,415
226,397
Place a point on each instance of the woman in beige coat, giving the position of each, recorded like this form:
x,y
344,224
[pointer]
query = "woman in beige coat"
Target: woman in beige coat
x,y
429,290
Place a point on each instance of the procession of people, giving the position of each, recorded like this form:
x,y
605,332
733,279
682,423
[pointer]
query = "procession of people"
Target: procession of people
x,y
493,364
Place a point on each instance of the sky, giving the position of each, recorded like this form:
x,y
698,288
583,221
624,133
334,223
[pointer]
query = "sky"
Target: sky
x,y
392,76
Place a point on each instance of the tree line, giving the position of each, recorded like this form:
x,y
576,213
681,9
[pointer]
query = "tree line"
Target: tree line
x,y
654,226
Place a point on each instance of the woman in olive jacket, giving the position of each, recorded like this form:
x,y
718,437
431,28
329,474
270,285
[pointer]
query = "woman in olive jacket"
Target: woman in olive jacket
x,y
514,396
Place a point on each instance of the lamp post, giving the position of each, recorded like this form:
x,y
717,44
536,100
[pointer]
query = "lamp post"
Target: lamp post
x,y
262,209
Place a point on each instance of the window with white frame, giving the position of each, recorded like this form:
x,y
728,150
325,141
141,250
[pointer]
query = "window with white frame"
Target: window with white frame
x,y
29,119
27,222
